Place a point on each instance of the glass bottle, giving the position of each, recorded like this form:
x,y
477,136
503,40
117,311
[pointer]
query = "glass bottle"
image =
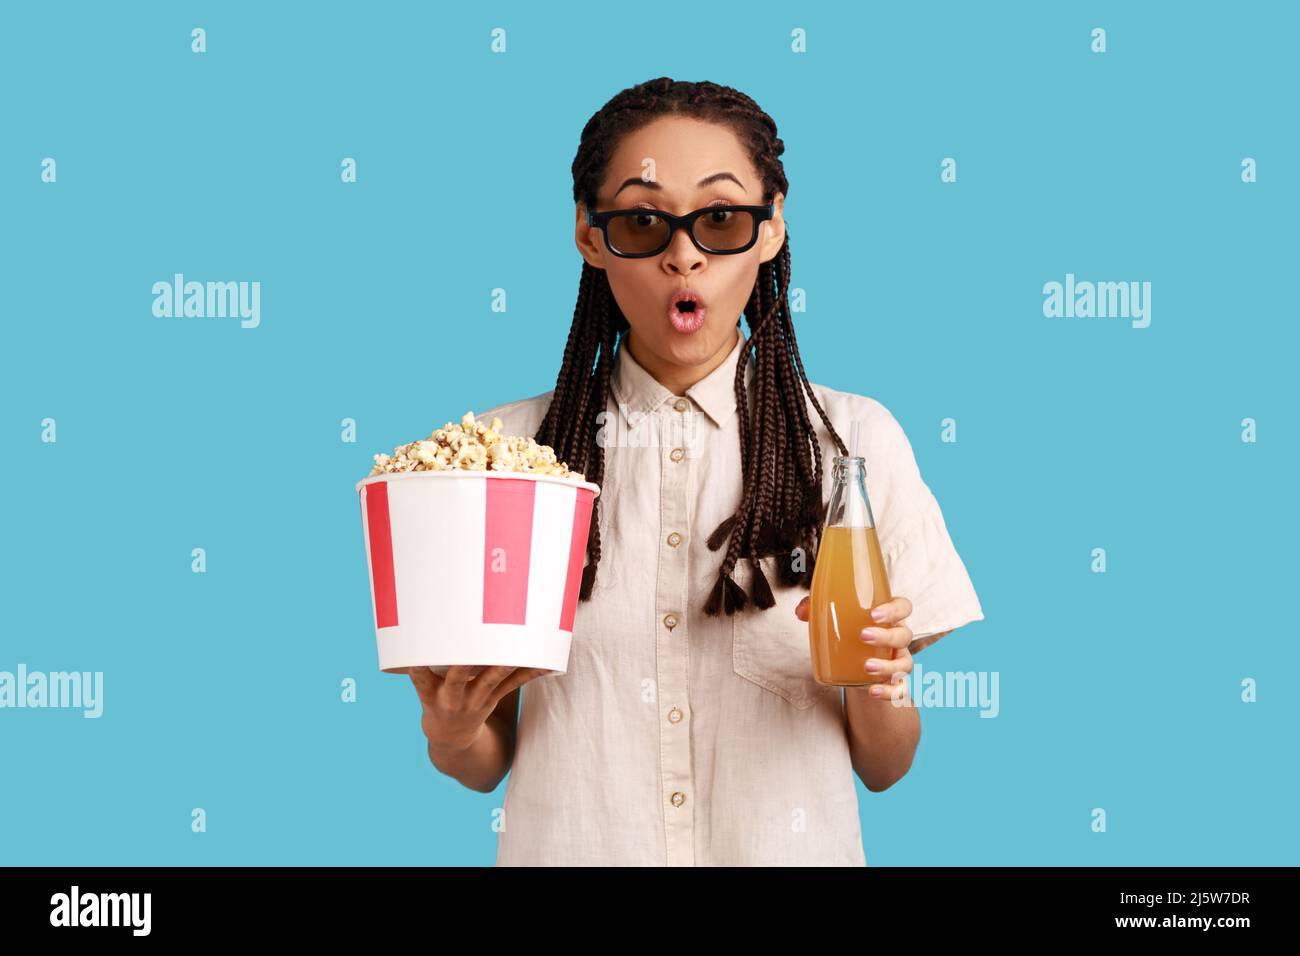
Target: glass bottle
x,y
848,581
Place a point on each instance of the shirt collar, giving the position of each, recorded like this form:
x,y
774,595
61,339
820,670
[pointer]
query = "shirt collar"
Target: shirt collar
x,y
638,391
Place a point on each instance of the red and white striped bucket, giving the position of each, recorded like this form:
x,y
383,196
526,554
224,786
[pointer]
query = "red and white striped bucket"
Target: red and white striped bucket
x,y
475,567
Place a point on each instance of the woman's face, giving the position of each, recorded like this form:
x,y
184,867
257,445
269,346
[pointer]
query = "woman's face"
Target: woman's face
x,y
676,154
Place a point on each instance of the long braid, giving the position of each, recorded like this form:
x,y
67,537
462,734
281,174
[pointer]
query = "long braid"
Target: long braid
x,y
788,483
570,423
772,536
770,420
779,506
755,448
772,439
565,385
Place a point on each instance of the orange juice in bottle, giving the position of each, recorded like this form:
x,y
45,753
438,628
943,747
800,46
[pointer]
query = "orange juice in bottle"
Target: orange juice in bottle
x,y
848,581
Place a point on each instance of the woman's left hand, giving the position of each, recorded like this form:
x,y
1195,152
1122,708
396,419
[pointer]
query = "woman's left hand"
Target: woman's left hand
x,y
888,631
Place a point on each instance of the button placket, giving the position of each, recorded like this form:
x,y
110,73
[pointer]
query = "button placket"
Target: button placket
x,y
673,653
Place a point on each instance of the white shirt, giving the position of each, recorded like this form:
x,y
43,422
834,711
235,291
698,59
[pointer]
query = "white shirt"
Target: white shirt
x,y
680,739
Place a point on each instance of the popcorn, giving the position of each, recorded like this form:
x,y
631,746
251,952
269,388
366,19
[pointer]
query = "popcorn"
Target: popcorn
x,y
473,446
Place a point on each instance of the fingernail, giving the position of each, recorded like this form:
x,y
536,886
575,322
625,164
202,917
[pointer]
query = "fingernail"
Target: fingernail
x,y
877,691
869,634
877,613
873,664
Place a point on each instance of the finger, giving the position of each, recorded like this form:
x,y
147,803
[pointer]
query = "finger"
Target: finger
x,y
891,612
426,682
458,684
899,636
521,676
884,668
526,674
894,691
458,675
424,677
801,610
491,677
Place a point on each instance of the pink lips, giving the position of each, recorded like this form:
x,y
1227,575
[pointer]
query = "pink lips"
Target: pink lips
x,y
686,310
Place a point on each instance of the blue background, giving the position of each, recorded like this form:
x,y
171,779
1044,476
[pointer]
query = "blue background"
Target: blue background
x,y
222,690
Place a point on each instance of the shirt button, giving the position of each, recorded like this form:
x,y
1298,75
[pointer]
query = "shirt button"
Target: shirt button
x,y
670,621
680,405
676,454
678,798
675,715
674,539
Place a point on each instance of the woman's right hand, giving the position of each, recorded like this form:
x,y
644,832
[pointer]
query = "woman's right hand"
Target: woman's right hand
x,y
456,707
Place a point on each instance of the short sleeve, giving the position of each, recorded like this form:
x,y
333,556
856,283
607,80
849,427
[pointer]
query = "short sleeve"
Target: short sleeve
x,y
920,558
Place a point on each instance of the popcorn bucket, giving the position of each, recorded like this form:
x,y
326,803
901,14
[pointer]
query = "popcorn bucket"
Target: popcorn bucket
x,y
474,567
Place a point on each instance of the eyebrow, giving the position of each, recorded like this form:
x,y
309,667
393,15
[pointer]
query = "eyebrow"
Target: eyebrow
x,y
706,181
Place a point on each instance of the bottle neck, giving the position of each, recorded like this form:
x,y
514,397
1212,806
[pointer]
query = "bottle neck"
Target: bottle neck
x,y
849,505
848,467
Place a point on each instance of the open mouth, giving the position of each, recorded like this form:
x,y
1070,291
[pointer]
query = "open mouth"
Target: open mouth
x,y
686,310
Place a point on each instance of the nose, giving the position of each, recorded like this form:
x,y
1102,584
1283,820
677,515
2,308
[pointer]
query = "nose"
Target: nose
x,y
682,257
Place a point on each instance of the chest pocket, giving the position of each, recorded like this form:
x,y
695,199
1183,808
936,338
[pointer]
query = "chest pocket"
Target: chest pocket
x,y
770,647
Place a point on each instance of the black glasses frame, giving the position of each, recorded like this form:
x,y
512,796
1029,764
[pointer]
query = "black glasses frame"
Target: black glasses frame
x,y
687,222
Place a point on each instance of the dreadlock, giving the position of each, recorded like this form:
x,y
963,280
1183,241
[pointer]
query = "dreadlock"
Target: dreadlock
x,y
780,507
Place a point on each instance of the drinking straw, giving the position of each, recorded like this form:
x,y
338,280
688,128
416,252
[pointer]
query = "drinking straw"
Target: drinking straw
x,y
853,439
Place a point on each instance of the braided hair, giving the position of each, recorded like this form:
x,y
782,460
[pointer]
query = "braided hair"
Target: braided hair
x,y
780,509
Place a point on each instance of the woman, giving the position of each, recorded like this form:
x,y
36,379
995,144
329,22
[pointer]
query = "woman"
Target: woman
x,y
689,729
